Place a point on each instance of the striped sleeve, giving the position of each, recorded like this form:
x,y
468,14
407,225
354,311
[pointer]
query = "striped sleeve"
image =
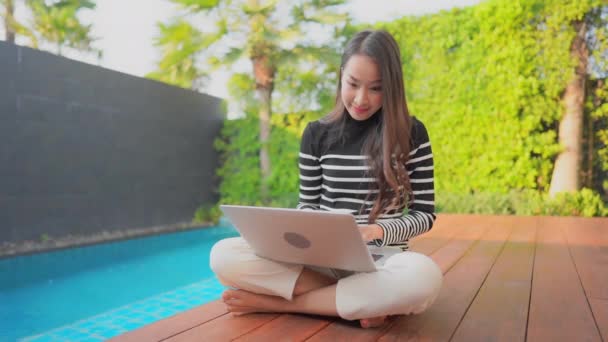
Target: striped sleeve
x,y
310,171
420,215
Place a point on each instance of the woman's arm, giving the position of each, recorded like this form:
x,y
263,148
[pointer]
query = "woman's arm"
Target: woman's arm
x,y
420,214
310,172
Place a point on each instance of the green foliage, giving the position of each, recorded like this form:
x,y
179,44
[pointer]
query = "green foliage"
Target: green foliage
x,y
239,146
12,24
526,202
301,87
45,238
270,31
585,202
487,82
179,42
208,214
582,203
466,71
480,203
57,22
597,136
284,147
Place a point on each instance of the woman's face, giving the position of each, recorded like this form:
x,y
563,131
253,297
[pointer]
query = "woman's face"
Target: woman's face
x,y
361,87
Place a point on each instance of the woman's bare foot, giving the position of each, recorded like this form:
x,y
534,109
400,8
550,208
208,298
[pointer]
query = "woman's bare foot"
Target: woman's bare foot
x,y
241,302
372,322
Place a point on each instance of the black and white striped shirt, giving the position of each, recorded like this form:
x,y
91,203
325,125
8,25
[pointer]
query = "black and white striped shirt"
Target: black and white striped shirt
x,y
336,177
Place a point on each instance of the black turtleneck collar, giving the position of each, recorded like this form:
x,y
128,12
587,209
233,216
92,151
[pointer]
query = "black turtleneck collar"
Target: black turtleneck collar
x,y
361,125
351,133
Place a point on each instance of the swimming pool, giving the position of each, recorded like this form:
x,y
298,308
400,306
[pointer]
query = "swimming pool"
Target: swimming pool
x,y
96,292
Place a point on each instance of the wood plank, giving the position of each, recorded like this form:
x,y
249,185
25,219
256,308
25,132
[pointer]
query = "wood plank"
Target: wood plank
x,y
559,310
432,241
288,327
224,328
460,286
174,325
192,318
500,309
588,243
350,331
600,312
450,253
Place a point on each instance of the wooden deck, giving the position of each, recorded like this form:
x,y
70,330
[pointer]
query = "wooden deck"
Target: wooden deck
x,y
506,279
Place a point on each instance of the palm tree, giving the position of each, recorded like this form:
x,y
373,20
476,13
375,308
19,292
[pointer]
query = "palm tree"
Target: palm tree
x,y
588,49
58,23
179,43
567,165
12,27
9,15
263,32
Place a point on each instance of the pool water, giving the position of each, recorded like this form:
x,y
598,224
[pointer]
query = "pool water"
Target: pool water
x,y
97,292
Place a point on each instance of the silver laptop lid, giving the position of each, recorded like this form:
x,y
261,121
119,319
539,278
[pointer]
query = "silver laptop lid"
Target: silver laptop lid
x,y
317,238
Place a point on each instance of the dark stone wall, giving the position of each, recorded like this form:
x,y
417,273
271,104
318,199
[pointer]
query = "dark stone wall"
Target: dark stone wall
x,y
84,149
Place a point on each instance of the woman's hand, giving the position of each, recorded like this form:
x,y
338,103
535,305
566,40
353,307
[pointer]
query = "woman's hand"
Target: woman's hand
x,y
371,232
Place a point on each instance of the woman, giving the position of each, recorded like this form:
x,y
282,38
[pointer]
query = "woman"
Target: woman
x,y
368,157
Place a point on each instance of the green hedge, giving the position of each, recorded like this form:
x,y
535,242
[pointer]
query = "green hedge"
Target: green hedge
x,y
583,203
487,82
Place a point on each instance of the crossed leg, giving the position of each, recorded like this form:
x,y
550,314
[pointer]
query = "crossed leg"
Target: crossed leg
x,y
314,293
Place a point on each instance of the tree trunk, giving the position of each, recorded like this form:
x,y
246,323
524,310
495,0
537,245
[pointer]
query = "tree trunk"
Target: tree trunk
x,y
10,13
596,125
264,79
265,97
566,172
589,136
588,183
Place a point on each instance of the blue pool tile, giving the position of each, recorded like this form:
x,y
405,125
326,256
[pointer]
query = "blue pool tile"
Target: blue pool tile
x,y
138,314
133,325
96,331
86,324
91,339
42,338
167,312
149,308
77,337
96,322
137,306
68,333
118,322
103,332
183,307
111,333
166,302
147,318
122,312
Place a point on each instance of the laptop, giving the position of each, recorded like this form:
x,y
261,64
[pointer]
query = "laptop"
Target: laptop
x,y
315,238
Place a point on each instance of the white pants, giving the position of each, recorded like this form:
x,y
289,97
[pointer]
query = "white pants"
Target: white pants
x,y
406,283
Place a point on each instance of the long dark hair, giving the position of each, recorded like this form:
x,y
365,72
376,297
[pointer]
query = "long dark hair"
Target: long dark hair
x,y
388,150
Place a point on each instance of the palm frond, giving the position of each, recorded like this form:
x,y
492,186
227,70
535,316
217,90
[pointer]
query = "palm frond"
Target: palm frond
x,y
198,5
